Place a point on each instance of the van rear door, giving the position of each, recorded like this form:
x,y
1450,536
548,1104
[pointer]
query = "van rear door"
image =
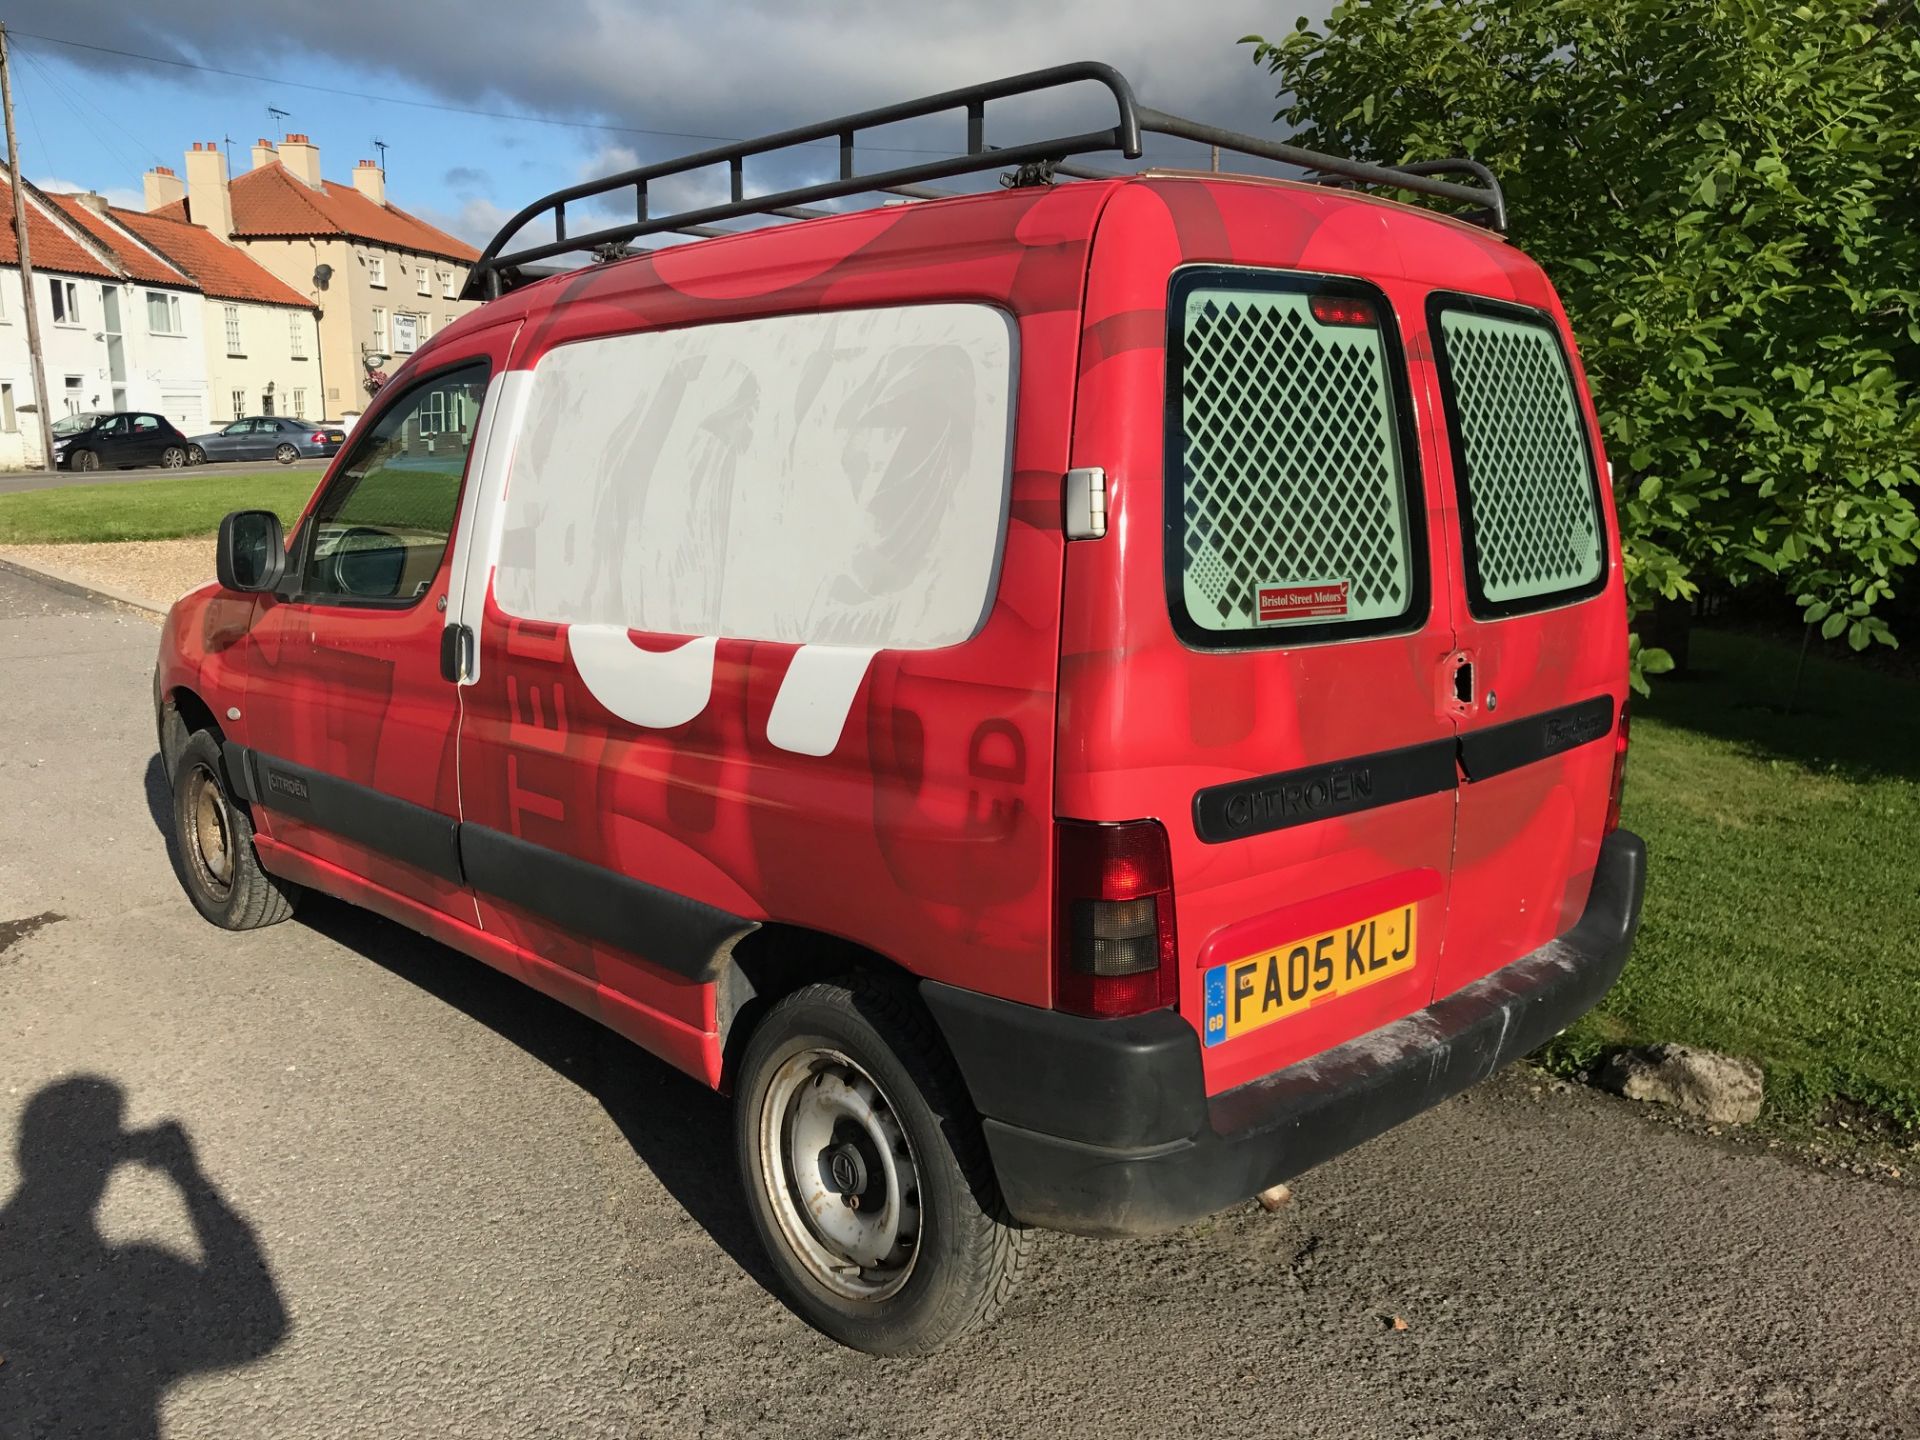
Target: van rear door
x,y
1540,625
1254,654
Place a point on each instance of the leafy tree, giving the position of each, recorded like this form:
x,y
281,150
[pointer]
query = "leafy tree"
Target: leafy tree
x,y
1727,193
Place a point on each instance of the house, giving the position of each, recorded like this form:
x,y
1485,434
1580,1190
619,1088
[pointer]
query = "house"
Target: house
x,y
262,338
115,333
153,322
382,279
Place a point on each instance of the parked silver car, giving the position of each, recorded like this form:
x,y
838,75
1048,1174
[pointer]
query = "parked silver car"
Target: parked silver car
x,y
267,437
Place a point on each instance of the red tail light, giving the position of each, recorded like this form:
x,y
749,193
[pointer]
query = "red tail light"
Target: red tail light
x,y
1341,310
1114,950
1619,790
317,438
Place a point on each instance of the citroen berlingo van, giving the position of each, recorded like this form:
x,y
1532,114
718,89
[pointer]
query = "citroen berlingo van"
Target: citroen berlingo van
x,y
1072,702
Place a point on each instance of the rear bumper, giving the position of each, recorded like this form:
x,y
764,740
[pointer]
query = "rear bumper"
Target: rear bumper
x,y
1104,1127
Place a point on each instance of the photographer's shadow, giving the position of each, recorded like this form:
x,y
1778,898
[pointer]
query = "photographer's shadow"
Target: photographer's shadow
x,y
93,1333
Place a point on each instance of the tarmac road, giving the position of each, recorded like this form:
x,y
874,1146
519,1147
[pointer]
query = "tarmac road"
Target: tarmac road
x,y
410,1198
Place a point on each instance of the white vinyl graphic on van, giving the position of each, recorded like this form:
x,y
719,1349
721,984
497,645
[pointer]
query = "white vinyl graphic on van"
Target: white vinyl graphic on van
x,y
811,709
655,688
836,481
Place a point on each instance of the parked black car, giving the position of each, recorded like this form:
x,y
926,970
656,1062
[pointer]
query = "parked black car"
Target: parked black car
x,y
100,440
267,437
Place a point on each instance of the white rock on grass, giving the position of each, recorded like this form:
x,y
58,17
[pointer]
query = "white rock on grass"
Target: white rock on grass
x,y
1722,1088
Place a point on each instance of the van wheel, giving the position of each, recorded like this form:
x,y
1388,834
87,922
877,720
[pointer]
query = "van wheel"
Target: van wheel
x,y
213,846
866,1172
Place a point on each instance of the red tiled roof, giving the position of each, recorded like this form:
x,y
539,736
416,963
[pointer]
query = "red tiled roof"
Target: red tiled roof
x,y
53,248
269,201
223,271
140,263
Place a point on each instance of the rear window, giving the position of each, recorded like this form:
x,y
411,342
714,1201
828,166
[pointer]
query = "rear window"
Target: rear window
x,y
1529,501
1287,464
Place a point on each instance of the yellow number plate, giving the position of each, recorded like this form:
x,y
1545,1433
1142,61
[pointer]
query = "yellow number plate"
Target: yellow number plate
x,y
1270,986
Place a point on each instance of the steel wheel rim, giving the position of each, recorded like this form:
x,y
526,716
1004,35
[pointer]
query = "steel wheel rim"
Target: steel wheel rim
x,y
209,836
827,1132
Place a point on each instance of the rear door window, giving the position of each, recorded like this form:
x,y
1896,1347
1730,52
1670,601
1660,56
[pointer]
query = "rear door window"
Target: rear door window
x,y
1289,462
1530,518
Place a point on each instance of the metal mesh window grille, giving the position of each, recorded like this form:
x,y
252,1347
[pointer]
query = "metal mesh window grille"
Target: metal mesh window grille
x,y
1528,485
1292,465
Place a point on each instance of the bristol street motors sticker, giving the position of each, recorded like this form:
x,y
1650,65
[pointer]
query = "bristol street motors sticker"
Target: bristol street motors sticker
x,y
1315,600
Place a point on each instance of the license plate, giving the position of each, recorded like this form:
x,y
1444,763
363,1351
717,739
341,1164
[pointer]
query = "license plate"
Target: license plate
x,y
1246,994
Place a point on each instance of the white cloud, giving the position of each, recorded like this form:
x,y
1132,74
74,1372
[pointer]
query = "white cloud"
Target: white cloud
x,y
121,195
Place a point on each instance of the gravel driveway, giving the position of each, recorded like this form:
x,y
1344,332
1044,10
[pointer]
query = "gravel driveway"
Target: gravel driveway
x,y
408,1197
155,571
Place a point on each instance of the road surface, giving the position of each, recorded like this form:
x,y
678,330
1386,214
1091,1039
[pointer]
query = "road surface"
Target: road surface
x,y
413,1199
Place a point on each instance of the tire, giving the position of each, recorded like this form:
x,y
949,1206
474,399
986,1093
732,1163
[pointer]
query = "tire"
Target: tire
x,y
196,456
83,460
285,454
174,457
212,846
851,1078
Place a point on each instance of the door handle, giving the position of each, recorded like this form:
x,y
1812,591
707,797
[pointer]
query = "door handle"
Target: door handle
x,y
456,653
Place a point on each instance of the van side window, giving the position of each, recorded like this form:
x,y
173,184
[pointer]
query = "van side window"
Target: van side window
x,y
1529,502
1287,459
836,478
380,530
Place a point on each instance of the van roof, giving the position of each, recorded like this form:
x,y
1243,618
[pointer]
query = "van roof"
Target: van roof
x,y
993,217
504,264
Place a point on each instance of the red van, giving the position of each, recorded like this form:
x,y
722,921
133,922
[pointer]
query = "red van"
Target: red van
x,y
1073,704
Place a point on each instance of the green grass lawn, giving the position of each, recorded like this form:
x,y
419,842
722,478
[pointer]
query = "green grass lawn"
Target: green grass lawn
x,y
148,509
1783,905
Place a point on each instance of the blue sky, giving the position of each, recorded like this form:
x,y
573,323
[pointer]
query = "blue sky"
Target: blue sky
x,y
608,69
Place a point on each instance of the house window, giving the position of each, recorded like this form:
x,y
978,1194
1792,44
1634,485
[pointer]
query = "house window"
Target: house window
x,y
72,397
379,328
447,284
299,404
233,331
426,326
163,314
66,302
423,282
7,421
296,335
239,404
433,414
377,271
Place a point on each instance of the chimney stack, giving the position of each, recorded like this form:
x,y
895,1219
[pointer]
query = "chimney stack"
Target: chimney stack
x,y
302,159
371,181
162,187
94,201
209,203
263,153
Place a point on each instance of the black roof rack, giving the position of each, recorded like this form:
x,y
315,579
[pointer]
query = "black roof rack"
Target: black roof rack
x,y
498,268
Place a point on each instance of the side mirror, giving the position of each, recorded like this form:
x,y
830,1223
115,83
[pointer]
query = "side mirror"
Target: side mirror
x,y
251,553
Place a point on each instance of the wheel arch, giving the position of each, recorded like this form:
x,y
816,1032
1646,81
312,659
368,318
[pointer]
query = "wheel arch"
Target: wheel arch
x,y
772,961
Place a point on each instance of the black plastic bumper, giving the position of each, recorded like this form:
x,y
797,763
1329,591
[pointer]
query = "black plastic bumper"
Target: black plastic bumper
x,y
1104,1127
